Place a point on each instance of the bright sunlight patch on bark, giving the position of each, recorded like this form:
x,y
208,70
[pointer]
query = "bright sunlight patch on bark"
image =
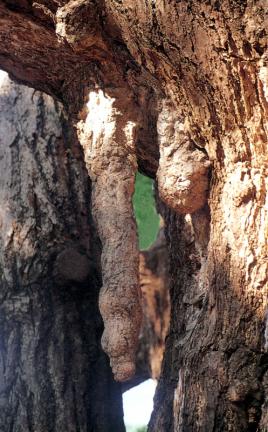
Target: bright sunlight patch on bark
x,y
138,405
3,76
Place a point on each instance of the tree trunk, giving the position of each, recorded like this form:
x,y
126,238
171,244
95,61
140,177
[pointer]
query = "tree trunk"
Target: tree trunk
x,y
54,375
198,70
214,375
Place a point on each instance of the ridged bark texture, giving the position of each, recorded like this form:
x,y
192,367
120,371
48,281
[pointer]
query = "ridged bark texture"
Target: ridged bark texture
x,y
209,60
54,375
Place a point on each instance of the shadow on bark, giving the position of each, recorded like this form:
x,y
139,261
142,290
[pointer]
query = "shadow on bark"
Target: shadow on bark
x,y
214,375
54,375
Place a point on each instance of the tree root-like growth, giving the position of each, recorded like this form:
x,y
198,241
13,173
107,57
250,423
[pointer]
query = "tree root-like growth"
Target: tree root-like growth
x,y
108,138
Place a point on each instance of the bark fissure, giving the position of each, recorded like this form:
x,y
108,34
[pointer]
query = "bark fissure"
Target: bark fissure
x,y
52,369
208,62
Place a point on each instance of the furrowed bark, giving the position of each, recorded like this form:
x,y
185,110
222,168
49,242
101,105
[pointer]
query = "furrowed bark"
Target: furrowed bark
x,y
209,59
54,375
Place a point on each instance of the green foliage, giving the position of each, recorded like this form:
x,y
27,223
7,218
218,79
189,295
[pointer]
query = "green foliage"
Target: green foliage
x,y
137,429
145,212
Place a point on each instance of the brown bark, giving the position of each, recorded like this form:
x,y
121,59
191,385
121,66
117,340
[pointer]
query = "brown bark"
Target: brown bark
x,y
154,283
108,139
53,374
208,60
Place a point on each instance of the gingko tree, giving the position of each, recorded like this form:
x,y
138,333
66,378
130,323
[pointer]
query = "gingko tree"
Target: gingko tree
x,y
177,91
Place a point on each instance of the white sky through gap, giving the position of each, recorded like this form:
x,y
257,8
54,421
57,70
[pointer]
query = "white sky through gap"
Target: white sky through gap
x,y
138,404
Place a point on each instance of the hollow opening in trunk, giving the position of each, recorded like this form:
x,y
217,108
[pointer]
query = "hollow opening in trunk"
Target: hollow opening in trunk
x,y
147,218
138,406
154,284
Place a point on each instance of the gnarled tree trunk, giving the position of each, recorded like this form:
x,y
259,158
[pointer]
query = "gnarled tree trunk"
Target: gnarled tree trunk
x,y
197,74
54,375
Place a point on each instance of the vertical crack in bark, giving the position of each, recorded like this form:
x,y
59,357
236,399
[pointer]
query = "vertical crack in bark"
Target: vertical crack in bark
x,y
108,137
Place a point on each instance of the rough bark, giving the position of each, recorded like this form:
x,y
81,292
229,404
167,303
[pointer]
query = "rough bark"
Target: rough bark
x,y
215,366
154,280
154,283
108,138
208,60
182,176
54,375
